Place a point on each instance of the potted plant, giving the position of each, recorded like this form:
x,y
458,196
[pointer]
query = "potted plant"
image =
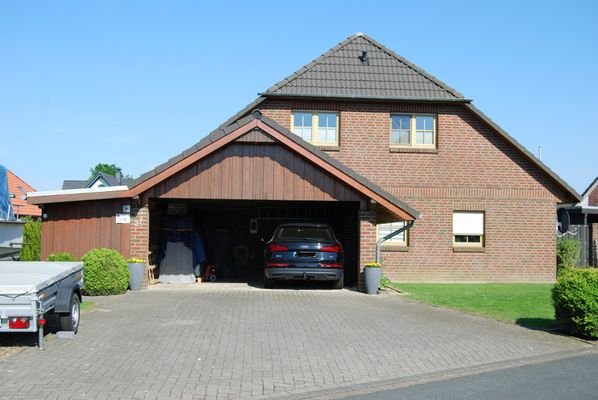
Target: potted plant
x,y
136,271
373,274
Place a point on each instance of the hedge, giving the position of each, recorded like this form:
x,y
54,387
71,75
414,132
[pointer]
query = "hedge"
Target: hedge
x,y
575,299
61,257
105,272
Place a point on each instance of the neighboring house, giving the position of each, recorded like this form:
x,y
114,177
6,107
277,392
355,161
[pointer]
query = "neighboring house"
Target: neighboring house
x,y
18,189
359,138
584,224
102,179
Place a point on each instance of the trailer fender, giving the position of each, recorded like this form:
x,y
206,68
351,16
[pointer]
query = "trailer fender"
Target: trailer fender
x,y
63,298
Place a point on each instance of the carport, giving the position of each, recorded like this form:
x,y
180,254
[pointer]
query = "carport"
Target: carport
x,y
234,232
233,188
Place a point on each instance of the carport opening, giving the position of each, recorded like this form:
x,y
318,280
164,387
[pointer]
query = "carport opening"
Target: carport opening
x,y
234,233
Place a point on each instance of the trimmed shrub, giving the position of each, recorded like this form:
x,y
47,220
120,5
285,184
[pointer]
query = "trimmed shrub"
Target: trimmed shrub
x,y
567,253
32,237
105,272
575,299
61,257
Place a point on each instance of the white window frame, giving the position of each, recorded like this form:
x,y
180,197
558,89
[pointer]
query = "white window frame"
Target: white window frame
x,y
315,120
470,225
400,240
413,131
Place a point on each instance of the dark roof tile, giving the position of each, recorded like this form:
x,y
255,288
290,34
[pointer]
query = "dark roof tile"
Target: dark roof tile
x,y
340,73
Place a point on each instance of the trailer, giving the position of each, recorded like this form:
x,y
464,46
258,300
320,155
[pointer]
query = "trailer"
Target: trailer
x,y
31,292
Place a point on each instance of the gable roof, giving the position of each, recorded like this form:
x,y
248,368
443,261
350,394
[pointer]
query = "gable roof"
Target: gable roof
x,y
74,184
341,73
78,184
590,188
19,188
224,135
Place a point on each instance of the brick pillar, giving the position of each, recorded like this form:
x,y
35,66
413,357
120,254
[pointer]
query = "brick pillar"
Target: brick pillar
x,y
139,243
367,242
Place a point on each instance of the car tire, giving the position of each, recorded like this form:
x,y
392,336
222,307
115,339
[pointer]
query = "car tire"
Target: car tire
x,y
268,283
338,284
70,321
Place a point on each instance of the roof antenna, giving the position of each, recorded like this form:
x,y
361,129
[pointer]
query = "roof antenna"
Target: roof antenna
x,y
364,58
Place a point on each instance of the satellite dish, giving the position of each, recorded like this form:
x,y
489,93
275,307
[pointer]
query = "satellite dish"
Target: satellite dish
x,y
562,221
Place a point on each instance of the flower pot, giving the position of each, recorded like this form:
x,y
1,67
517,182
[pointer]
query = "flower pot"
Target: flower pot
x,y
372,279
136,271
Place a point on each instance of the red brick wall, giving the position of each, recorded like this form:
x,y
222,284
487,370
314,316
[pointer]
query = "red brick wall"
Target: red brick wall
x,y
140,236
472,169
593,197
367,239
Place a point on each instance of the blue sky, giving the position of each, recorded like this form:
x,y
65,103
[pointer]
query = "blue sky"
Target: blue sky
x,y
136,82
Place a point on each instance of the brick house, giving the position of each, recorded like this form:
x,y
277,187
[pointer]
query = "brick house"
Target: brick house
x,y
362,139
584,224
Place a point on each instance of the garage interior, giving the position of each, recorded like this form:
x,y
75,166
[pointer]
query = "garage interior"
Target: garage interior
x,y
234,232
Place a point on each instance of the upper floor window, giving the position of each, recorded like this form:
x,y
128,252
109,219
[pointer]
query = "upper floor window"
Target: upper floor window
x,y
397,240
468,229
413,130
319,128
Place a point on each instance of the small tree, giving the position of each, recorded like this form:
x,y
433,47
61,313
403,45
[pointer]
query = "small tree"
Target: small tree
x,y
32,234
109,169
567,253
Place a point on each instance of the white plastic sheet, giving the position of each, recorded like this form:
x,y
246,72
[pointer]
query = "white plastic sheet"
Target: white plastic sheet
x,y
177,264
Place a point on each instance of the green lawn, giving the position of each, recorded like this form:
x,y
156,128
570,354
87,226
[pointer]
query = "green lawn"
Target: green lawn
x,y
529,305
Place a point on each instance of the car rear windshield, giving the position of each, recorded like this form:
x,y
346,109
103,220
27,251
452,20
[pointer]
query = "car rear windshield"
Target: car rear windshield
x,y
302,232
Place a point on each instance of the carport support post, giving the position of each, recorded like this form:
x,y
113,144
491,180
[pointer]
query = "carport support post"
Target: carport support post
x,y
139,243
367,242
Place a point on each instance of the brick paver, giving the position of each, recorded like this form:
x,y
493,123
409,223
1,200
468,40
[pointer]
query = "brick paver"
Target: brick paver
x,y
237,342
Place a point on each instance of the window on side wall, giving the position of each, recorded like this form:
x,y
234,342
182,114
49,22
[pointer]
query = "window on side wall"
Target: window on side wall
x,y
318,128
395,241
413,130
468,229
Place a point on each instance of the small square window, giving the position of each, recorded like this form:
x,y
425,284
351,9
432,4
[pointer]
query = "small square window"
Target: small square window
x,y
468,229
319,128
387,229
413,131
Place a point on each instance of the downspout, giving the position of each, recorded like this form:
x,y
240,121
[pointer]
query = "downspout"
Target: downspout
x,y
390,236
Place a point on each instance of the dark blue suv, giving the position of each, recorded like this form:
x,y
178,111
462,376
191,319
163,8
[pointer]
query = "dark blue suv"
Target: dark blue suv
x,y
304,252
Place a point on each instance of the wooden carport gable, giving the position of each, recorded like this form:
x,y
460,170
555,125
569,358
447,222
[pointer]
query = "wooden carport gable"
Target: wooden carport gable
x,y
171,180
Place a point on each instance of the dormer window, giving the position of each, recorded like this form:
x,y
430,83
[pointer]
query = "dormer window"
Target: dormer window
x,y
413,130
316,127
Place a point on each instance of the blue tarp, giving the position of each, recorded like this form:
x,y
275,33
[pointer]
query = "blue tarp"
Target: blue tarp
x,y
6,213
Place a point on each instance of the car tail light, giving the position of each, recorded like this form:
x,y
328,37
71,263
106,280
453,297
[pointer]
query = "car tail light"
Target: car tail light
x,y
335,248
277,265
18,323
272,247
332,265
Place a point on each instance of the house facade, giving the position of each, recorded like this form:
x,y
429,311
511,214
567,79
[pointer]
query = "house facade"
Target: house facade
x,y
583,218
359,138
18,189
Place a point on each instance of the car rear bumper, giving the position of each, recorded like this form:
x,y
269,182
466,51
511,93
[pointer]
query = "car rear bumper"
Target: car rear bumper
x,y
304,274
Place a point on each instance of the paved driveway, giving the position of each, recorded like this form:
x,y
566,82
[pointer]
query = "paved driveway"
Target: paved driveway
x,y
235,341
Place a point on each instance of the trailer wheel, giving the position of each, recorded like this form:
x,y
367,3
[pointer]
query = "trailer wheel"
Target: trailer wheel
x,y
70,321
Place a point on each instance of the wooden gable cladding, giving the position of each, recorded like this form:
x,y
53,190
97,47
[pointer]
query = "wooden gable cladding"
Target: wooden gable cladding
x,y
80,226
253,169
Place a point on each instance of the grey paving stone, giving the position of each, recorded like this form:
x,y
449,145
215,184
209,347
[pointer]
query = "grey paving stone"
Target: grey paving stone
x,y
239,342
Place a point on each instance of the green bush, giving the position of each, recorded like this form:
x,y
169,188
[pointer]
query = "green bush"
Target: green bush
x,y
575,299
105,272
61,257
567,253
32,236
